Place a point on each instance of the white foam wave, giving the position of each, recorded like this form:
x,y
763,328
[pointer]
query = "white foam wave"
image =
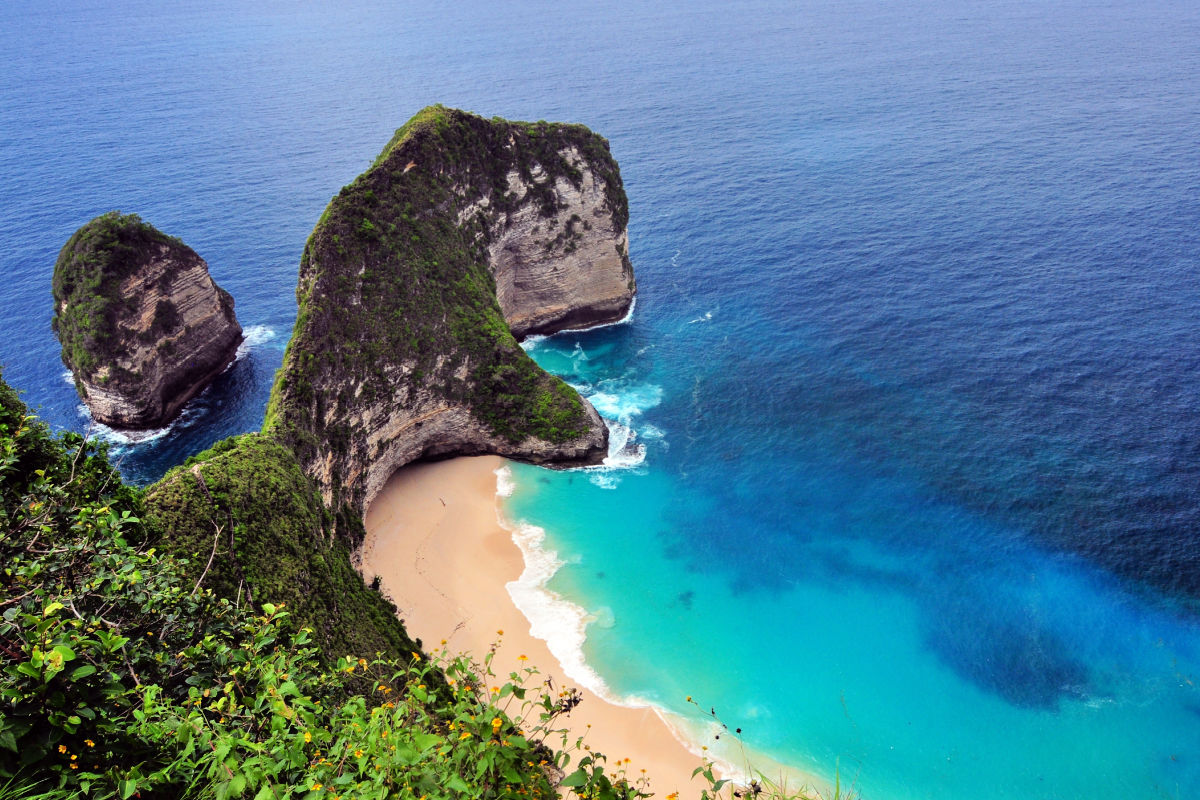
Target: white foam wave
x,y
618,404
652,432
622,321
622,401
561,624
252,337
704,318
124,438
530,343
505,483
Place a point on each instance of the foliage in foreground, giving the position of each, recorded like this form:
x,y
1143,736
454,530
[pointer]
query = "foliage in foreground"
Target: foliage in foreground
x,y
123,677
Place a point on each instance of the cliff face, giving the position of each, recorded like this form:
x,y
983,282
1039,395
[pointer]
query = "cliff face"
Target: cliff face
x,y
143,326
569,269
464,232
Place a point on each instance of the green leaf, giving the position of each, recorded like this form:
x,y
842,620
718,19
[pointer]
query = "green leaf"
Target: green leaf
x,y
126,789
426,741
576,779
83,672
52,609
457,784
8,741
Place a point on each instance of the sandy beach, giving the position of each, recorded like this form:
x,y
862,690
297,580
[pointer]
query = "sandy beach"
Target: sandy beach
x,y
435,541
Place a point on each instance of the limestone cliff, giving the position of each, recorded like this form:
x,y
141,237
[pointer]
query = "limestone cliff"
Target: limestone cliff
x,y
143,326
463,232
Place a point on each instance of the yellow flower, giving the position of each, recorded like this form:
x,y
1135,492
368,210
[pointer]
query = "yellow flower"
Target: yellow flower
x,y
358,753
89,742
307,737
316,787
362,662
495,690
496,723
74,766
62,748
500,632
522,657
465,735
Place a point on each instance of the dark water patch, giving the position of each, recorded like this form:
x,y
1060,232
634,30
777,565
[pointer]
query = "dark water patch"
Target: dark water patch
x,y
1012,655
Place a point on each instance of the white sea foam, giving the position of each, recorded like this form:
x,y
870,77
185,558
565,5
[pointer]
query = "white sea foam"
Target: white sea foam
x,y
623,320
561,624
619,403
125,438
505,484
531,343
704,318
252,337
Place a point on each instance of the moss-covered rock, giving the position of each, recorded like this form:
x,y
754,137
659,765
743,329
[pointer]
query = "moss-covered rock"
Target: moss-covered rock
x,y
402,349
143,326
252,524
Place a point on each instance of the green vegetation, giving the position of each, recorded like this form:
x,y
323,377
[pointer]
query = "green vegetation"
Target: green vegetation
x,y
395,297
87,284
253,526
123,676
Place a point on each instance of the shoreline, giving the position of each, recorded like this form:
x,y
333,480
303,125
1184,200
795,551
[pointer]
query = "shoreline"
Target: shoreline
x,y
436,542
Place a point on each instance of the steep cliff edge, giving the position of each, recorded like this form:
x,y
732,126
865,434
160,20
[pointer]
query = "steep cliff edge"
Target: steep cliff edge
x,y
463,232
143,326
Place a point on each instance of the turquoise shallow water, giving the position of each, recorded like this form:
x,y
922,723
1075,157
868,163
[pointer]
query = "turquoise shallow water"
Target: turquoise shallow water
x,y
913,364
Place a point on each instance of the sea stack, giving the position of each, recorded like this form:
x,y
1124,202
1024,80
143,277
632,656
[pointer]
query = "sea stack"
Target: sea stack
x,y
465,235
143,326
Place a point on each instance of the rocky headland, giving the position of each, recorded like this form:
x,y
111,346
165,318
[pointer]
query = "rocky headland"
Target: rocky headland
x,y
465,234
143,326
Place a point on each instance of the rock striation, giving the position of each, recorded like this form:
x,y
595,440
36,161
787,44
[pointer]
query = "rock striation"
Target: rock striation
x,y
143,326
465,234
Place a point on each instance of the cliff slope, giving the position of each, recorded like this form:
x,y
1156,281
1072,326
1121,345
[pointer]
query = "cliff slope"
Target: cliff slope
x,y
252,525
143,326
463,232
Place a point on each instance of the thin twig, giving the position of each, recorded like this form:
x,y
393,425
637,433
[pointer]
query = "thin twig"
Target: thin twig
x,y
211,556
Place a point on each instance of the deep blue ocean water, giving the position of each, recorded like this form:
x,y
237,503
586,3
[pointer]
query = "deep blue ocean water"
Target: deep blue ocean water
x,y
914,366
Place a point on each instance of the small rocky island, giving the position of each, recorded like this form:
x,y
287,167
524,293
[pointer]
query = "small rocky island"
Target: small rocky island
x,y
465,234
143,326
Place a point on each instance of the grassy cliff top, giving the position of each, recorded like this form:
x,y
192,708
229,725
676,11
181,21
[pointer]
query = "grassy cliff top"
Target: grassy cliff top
x,y
87,282
246,504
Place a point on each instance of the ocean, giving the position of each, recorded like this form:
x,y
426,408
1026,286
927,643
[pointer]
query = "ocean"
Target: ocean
x,y
909,488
